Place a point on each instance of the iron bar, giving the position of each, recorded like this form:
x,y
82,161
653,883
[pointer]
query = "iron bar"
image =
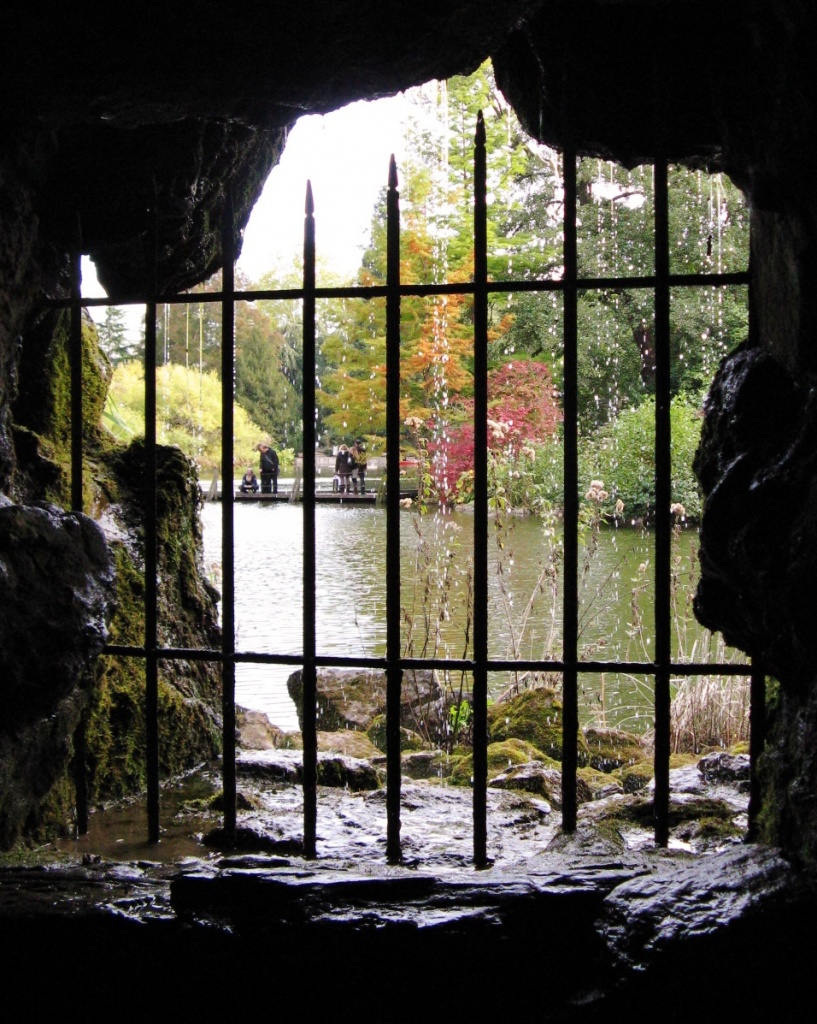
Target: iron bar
x,y
77,433
663,500
151,552
310,675
570,611
639,282
228,774
394,674
692,668
757,739
480,641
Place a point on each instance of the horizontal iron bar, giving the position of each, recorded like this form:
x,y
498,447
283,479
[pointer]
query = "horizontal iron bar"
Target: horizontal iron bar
x,y
449,664
421,290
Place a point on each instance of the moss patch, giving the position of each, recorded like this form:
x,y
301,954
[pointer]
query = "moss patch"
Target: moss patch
x,y
536,717
611,748
635,777
408,740
501,757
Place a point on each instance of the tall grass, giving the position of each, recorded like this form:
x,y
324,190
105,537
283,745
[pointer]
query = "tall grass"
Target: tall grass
x,y
708,710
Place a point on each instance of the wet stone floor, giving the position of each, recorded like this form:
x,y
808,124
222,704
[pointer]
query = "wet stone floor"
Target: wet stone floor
x,y
436,821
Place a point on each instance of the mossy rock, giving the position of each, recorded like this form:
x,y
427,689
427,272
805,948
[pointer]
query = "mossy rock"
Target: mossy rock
x,y
612,748
536,717
254,731
635,777
348,742
501,756
681,812
42,410
596,783
533,778
431,765
408,740
717,828
342,772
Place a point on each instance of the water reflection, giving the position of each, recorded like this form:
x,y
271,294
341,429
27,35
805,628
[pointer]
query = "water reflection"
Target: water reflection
x,y
615,586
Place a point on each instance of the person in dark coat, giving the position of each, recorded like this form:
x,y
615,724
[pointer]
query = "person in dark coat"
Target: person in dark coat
x,y
249,482
359,452
269,469
344,464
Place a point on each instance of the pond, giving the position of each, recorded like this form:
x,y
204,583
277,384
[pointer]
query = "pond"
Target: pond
x,y
524,612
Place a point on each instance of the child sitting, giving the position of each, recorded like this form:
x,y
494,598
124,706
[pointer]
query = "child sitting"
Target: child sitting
x,y
249,482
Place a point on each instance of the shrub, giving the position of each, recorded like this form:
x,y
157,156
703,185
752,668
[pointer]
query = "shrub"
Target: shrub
x,y
622,454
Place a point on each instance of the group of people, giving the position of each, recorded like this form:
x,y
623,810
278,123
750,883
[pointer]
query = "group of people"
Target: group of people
x,y
269,473
350,469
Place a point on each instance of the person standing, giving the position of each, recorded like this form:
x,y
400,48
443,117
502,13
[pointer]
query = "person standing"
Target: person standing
x,y
359,451
344,463
269,469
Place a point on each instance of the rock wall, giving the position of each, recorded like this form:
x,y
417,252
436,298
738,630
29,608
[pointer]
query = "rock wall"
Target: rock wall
x,y
69,584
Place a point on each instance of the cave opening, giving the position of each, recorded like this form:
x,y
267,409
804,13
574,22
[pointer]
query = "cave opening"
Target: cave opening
x,y
575,295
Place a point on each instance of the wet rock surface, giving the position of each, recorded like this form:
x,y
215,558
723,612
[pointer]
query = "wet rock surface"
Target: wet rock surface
x,y
563,936
567,928
755,470
56,595
756,464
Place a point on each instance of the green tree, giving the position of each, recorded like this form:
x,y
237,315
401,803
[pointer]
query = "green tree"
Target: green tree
x,y
112,334
188,413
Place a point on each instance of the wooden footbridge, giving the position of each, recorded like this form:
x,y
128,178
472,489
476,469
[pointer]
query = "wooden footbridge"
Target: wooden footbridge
x,y
291,490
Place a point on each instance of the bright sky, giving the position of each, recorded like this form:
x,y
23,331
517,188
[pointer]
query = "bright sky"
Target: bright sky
x,y
346,155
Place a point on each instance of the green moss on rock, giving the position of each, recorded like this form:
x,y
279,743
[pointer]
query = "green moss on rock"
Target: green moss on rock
x,y
408,740
612,748
635,777
534,716
501,756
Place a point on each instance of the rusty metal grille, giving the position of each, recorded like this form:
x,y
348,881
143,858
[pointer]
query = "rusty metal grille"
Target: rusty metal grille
x,y
570,286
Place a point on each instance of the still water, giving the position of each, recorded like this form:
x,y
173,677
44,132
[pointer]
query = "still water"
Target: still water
x,y
524,598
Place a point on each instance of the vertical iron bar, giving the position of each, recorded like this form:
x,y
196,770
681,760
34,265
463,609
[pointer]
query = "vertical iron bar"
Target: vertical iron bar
x,y
663,499
151,554
228,524
570,535
394,673
77,432
480,688
310,680
757,739
77,426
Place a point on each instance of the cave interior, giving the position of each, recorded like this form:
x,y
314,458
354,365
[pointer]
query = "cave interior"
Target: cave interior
x,y
98,117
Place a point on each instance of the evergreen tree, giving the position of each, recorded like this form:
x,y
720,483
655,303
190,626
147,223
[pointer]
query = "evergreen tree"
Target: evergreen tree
x,y
112,334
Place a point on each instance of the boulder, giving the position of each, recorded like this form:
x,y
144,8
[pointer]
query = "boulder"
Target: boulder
x,y
501,757
334,770
536,716
354,698
56,596
720,766
349,743
612,748
254,731
426,764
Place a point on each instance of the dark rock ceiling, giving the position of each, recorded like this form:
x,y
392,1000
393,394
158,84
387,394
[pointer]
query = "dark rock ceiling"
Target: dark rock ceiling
x,y
194,100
